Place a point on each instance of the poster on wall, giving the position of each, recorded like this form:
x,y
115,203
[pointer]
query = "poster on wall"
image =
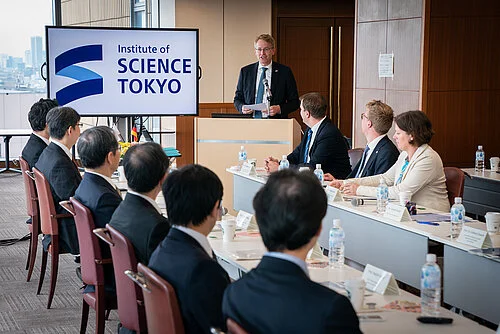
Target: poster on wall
x,y
386,65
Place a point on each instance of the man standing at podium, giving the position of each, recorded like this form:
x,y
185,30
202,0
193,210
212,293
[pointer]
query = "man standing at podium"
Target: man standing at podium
x,y
265,81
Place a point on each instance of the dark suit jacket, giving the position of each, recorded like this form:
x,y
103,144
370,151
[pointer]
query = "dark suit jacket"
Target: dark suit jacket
x,y
139,221
283,88
328,149
63,177
32,150
199,281
278,297
382,158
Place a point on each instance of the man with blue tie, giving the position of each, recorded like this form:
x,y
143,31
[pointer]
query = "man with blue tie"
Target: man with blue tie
x,y
265,81
322,142
380,153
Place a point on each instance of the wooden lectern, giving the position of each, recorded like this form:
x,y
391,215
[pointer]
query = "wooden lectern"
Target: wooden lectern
x,y
218,141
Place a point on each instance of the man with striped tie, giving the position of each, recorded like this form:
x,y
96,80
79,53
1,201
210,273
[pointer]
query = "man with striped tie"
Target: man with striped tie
x,y
322,142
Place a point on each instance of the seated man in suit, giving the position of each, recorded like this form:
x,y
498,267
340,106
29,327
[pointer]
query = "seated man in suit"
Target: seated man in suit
x,y
39,139
322,142
139,217
100,155
185,259
62,174
380,152
278,296
281,88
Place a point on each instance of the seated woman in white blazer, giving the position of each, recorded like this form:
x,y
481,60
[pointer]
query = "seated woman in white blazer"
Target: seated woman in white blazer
x,y
419,168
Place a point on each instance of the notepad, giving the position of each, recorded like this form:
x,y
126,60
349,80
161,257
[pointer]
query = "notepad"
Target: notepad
x,y
434,217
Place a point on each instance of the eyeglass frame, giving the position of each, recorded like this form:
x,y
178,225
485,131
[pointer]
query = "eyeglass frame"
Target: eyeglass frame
x,y
266,50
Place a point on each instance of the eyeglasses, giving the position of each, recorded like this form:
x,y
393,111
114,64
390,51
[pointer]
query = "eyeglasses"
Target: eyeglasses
x,y
364,115
79,124
266,50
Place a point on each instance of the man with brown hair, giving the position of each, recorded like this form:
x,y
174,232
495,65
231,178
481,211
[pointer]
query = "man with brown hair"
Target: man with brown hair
x,y
322,142
265,80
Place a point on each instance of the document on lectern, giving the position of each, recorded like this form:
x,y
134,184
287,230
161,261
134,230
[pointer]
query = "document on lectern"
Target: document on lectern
x,y
258,106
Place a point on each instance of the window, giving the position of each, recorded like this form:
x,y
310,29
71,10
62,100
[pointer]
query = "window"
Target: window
x,y
22,45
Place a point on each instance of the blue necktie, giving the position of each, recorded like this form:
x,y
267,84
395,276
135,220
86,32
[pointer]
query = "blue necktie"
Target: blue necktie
x,y
260,92
400,178
306,149
362,164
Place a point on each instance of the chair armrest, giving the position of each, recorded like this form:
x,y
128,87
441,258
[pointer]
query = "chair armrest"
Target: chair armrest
x,y
139,279
68,207
103,261
103,234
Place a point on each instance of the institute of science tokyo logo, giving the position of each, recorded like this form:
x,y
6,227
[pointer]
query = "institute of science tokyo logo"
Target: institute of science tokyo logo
x,y
89,82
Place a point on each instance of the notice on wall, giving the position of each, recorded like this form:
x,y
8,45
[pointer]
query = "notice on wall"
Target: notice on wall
x,y
386,65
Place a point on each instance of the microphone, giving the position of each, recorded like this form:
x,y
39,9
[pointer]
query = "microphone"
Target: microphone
x,y
268,90
357,201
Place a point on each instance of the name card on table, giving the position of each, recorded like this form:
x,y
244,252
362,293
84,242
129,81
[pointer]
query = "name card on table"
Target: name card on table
x,y
246,221
333,194
248,169
474,237
397,212
380,281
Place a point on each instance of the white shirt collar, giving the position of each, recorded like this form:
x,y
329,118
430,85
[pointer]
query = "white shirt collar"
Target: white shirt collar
x,y
290,258
314,130
104,177
375,142
153,203
63,147
45,140
200,238
270,66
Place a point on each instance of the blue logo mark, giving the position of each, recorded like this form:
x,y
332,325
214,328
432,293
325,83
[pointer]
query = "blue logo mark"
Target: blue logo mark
x,y
90,83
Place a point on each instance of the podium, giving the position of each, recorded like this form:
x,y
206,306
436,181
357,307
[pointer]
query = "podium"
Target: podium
x,y
218,141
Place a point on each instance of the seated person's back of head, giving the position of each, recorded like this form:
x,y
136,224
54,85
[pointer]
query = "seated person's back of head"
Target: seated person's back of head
x,y
289,210
185,259
138,217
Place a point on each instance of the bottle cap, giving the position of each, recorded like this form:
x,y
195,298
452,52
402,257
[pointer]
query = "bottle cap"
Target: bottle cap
x,y
480,147
336,223
318,166
284,156
242,147
458,200
381,181
431,258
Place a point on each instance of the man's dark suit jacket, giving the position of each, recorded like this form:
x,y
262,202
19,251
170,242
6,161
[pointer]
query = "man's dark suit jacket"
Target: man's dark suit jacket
x,y
102,199
328,149
199,281
32,150
283,88
63,177
138,220
278,297
382,158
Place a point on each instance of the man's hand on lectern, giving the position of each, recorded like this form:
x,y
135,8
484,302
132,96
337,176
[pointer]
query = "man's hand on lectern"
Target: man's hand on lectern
x,y
274,110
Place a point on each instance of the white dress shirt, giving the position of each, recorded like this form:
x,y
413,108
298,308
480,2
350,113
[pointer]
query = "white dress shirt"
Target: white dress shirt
x,y
313,136
268,77
200,238
64,148
150,200
290,258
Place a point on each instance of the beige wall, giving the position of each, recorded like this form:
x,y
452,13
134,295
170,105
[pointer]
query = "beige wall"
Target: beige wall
x,y
227,31
386,26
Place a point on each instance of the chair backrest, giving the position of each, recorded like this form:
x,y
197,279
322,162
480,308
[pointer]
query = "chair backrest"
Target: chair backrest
x,y
234,328
455,179
129,296
29,189
355,155
48,214
160,301
90,250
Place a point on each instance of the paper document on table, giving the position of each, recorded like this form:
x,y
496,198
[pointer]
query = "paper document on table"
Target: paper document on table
x,y
258,106
247,255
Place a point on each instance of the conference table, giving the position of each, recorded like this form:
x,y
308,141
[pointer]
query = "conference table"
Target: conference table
x,y
7,134
401,247
227,254
481,191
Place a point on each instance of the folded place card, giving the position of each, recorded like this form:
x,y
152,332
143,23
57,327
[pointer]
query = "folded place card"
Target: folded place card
x,y
247,169
246,221
397,212
315,253
333,194
380,281
474,237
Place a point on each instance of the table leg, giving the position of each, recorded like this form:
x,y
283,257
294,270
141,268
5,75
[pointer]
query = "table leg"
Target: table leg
x,y
7,168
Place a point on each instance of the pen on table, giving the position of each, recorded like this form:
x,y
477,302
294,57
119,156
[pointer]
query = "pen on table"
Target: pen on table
x,y
428,223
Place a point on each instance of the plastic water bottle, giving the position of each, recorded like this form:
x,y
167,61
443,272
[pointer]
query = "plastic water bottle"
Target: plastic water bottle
x,y
242,156
430,287
319,173
457,217
336,245
284,164
382,196
480,159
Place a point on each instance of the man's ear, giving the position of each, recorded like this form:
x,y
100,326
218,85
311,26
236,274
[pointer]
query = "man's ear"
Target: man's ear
x,y
216,211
